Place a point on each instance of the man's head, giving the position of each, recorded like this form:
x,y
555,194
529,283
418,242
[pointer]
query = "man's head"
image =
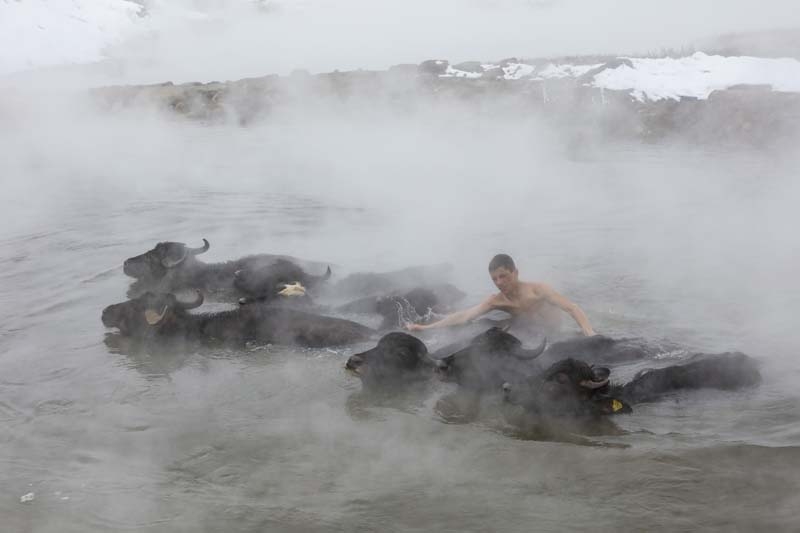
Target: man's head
x,y
504,273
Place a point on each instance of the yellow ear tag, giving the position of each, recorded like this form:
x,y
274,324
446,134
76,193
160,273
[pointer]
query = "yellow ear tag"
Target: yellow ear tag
x,y
616,405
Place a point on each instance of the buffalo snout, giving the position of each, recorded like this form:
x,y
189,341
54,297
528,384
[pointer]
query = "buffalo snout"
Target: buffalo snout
x,y
354,363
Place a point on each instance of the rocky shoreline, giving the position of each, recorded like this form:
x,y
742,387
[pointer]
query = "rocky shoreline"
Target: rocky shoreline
x,y
741,114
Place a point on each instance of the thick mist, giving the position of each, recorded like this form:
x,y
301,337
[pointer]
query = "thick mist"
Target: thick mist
x,y
372,186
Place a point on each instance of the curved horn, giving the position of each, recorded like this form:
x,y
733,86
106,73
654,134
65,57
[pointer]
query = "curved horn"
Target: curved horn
x,y
197,251
198,301
533,354
319,279
154,318
589,384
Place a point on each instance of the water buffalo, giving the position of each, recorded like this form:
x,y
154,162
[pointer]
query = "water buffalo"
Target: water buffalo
x,y
724,371
600,349
574,388
265,283
164,316
362,284
396,361
495,359
172,266
570,388
491,359
401,307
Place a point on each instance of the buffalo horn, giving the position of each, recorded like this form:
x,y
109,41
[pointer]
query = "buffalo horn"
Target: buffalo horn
x,y
589,384
198,251
324,277
198,301
532,354
153,318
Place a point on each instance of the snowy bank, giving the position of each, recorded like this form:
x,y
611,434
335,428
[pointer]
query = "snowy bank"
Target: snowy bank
x,y
698,76
695,76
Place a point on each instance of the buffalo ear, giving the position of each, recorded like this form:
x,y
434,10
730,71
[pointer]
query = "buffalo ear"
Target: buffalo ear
x,y
175,255
153,317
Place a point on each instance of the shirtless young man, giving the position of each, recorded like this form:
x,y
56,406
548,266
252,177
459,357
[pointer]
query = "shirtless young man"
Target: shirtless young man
x,y
531,302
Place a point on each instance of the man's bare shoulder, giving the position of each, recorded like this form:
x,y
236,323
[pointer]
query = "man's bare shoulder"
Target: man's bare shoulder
x,y
536,287
496,300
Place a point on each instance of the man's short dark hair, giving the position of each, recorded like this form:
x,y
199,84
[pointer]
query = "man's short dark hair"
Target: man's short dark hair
x,y
502,260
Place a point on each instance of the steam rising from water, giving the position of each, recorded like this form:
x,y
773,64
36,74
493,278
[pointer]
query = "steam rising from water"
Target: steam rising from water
x,y
708,228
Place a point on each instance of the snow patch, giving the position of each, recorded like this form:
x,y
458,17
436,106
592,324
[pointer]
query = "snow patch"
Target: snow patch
x,y
565,71
40,33
698,76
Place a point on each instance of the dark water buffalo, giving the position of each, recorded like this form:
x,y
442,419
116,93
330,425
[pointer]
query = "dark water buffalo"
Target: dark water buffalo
x,y
724,371
574,388
491,359
398,360
401,307
362,284
172,266
266,282
570,388
600,349
496,360
164,316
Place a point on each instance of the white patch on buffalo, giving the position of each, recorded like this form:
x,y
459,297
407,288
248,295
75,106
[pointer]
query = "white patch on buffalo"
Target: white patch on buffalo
x,y
293,289
154,318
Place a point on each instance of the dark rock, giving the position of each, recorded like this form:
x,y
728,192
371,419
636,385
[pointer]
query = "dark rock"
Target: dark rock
x,y
469,66
493,73
433,67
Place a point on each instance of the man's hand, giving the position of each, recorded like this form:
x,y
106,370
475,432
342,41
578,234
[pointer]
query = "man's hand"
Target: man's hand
x,y
414,327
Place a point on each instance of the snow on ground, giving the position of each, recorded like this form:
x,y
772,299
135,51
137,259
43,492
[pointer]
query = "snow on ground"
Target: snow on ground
x,y
698,75
41,33
694,76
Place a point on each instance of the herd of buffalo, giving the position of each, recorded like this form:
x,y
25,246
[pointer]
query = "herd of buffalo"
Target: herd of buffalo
x,y
277,298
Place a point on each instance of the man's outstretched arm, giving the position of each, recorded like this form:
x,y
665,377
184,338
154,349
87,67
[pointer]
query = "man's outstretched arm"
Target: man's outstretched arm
x,y
570,307
454,319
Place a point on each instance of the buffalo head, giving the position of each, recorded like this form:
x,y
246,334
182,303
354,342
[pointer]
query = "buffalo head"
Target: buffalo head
x,y
155,263
567,388
147,313
397,358
491,358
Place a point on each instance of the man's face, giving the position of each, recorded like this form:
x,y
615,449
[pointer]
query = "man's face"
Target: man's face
x,y
505,280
